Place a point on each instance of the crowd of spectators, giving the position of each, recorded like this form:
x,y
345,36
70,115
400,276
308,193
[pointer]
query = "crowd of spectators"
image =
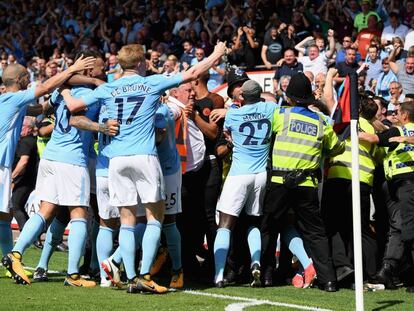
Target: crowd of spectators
x,y
373,38
44,35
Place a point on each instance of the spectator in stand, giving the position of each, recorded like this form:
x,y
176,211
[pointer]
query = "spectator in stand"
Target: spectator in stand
x,y
318,40
173,43
193,24
272,48
205,42
365,36
409,38
199,56
374,67
404,72
280,92
395,29
171,66
288,35
340,55
154,64
408,13
244,47
113,68
3,66
316,62
189,52
397,96
361,20
382,84
352,9
348,66
287,66
182,21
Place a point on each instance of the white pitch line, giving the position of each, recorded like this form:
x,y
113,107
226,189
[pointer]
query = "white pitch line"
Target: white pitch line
x,y
255,301
239,306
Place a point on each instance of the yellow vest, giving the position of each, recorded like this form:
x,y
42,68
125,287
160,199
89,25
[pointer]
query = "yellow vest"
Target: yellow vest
x,y
369,155
400,160
303,137
42,141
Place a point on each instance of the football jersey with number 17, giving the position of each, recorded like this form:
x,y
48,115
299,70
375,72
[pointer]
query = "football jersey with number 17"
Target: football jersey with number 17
x,y
251,130
133,101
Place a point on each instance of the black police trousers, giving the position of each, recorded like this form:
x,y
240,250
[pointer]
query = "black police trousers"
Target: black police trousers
x,y
304,201
337,214
401,216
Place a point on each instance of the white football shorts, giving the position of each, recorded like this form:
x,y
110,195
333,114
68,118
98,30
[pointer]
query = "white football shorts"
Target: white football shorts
x,y
62,183
5,189
172,195
106,210
135,179
243,191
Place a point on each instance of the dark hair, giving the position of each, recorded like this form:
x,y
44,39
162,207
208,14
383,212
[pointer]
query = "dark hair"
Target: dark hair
x,y
372,46
393,14
383,102
290,49
408,107
188,41
367,106
204,77
88,53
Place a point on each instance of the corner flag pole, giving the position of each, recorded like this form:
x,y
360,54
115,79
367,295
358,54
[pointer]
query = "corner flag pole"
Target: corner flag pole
x,y
356,194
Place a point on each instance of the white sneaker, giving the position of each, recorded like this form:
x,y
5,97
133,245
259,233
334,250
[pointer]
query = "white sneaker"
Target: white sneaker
x,y
105,283
112,272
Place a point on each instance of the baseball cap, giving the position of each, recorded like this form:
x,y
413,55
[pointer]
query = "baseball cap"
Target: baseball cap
x,y
251,90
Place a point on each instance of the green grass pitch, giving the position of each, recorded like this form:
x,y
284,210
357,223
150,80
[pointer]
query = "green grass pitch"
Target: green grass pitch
x,y
54,296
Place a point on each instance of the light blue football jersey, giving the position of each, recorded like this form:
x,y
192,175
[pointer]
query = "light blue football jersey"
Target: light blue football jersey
x,y
132,100
13,106
251,130
66,144
167,149
88,138
102,162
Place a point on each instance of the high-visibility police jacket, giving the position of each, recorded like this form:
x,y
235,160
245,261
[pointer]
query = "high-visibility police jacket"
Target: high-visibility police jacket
x,y
42,141
401,159
302,138
369,155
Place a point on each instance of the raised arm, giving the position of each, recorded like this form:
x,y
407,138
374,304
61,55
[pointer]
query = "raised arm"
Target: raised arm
x,y
331,41
328,90
300,46
49,85
194,72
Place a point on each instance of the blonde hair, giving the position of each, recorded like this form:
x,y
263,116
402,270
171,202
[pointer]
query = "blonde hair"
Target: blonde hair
x,y
173,58
130,55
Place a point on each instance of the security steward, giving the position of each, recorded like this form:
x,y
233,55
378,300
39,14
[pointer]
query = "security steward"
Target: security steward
x,y
302,138
337,198
399,171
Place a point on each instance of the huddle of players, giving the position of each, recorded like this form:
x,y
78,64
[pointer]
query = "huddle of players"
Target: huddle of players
x,y
138,165
127,115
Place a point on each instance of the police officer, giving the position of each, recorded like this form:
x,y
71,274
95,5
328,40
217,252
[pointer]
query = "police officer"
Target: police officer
x,y
337,199
399,171
302,137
